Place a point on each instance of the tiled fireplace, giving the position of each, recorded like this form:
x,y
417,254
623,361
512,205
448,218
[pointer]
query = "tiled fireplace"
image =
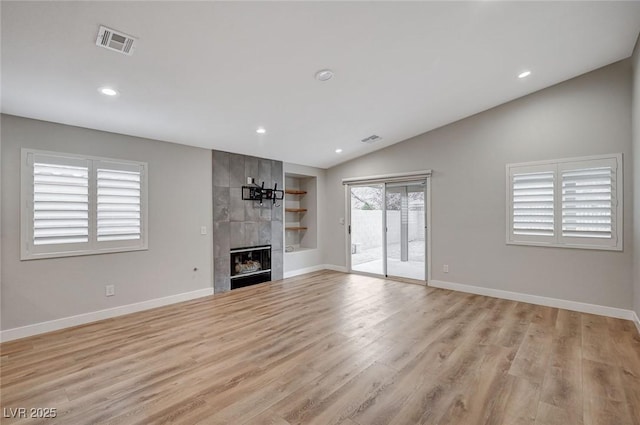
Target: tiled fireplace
x,y
239,224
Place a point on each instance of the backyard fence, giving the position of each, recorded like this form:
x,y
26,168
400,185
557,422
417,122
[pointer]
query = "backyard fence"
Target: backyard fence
x,y
366,227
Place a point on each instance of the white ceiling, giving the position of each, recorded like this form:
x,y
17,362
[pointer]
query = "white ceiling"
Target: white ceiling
x,y
208,74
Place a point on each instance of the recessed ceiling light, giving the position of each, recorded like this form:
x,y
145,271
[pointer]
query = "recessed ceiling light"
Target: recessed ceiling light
x,y
338,150
324,75
107,91
524,74
261,130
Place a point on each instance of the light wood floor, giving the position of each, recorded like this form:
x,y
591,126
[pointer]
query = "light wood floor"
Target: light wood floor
x,y
332,348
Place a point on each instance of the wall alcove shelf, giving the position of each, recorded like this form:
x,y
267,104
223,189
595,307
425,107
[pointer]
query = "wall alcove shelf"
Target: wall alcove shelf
x,y
295,192
300,212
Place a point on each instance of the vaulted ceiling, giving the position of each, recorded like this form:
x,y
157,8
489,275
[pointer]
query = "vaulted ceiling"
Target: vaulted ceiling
x,y
209,74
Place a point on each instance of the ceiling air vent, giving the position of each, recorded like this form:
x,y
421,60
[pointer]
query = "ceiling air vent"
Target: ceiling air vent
x,y
115,40
371,139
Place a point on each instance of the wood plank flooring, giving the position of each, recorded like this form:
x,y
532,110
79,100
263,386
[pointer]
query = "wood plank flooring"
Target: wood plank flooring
x,y
332,348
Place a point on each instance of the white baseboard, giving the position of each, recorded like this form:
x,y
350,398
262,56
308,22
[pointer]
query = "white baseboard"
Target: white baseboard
x,y
305,270
81,319
636,320
600,310
316,268
335,268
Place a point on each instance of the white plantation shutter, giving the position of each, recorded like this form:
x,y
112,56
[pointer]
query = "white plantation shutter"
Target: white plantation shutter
x,y
574,203
119,203
74,205
533,198
589,202
531,204
60,201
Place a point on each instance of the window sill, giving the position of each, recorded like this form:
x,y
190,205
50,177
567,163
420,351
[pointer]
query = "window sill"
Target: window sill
x,y
29,257
572,246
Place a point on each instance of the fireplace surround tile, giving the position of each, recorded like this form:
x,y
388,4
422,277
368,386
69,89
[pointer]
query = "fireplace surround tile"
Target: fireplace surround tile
x,y
236,204
222,281
220,169
221,238
237,177
251,234
276,235
220,204
264,234
250,168
277,265
236,235
251,211
238,223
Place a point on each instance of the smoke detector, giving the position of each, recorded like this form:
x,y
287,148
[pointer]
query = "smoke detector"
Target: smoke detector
x,y
115,40
371,139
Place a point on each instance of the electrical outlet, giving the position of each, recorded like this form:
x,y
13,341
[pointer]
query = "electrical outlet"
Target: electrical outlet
x,y
445,268
109,290
203,230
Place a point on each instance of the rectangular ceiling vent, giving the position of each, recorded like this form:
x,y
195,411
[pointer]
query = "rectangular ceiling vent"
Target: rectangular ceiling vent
x,y
371,139
115,40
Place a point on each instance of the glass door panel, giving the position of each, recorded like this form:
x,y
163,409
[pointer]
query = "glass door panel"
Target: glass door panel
x,y
405,236
367,238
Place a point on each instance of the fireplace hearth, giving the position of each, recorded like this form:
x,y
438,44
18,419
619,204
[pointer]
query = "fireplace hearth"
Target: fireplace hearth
x,y
250,266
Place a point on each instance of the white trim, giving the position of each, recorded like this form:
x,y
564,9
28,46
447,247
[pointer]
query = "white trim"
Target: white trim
x,y
335,268
428,229
29,251
385,234
388,178
636,321
618,156
601,310
556,166
81,319
347,227
305,270
384,183
368,274
316,268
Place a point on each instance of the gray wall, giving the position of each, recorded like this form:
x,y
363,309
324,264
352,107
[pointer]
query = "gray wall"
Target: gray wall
x,y
179,204
238,223
636,178
587,115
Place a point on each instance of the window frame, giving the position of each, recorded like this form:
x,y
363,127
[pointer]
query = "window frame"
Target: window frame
x,y
558,240
30,251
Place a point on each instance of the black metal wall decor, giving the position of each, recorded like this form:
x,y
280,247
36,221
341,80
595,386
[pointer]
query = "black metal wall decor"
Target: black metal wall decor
x,y
259,193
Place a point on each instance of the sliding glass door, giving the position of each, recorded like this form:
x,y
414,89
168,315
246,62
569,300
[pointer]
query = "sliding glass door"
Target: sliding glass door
x,y
367,239
388,229
405,211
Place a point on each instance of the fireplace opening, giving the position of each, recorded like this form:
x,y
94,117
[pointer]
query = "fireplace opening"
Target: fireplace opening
x,y
250,266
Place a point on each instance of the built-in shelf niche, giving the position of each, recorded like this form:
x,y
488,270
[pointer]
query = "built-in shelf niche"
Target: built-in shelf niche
x,y
300,212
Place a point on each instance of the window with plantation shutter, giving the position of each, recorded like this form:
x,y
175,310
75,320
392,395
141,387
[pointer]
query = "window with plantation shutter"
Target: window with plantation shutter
x,y
590,202
533,204
571,203
75,205
118,203
60,202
